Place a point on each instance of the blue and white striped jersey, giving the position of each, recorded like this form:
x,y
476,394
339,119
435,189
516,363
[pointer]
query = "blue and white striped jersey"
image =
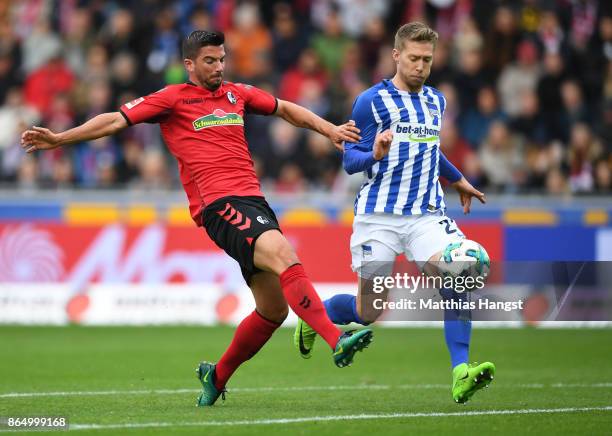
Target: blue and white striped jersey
x,y
405,182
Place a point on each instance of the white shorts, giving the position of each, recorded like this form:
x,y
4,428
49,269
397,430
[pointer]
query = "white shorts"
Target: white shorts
x,y
381,237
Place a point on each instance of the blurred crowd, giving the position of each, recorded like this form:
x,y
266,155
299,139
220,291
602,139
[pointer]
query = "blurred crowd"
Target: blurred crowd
x,y
528,85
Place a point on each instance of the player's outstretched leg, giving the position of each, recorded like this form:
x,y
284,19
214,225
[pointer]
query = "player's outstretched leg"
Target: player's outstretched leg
x,y
310,309
252,333
341,309
250,336
274,253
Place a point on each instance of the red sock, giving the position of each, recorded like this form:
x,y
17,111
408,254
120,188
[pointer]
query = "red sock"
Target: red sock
x,y
305,302
251,334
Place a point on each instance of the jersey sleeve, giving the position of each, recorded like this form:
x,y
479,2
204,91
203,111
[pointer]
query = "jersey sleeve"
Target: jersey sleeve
x,y
153,108
258,101
358,155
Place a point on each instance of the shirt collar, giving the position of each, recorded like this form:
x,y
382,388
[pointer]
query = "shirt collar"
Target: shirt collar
x,y
217,92
390,85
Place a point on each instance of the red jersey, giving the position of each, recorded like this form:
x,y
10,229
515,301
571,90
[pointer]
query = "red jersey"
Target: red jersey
x,y
204,130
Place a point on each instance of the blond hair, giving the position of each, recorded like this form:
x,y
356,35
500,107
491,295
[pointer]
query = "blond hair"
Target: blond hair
x,y
415,31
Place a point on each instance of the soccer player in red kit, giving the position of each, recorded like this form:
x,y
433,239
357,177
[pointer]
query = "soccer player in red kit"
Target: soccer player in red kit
x,y
202,123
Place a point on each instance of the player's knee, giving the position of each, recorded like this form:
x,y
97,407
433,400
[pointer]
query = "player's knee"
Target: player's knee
x,y
274,253
276,314
282,314
283,256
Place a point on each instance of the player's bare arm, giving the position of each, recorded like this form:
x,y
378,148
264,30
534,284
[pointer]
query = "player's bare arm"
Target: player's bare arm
x,y
382,144
302,117
466,192
40,138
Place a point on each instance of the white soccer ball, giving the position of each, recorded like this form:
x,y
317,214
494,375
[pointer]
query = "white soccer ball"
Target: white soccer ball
x,y
465,258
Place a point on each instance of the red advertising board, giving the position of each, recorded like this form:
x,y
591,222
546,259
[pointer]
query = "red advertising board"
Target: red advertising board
x,y
159,253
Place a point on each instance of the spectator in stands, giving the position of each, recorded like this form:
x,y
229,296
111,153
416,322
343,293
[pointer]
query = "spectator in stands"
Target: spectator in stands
x,y
530,121
556,182
40,46
452,112
15,114
519,77
250,43
331,43
603,177
78,40
373,39
62,176
549,92
352,73
471,78
285,143
551,36
289,38
385,67
475,122
502,39
27,174
441,69
321,162
128,166
501,158
573,109
307,69
290,180
584,150
10,59
97,65
124,76
46,82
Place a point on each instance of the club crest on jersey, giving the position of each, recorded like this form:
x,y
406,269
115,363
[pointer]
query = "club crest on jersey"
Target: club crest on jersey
x,y
218,118
433,110
231,97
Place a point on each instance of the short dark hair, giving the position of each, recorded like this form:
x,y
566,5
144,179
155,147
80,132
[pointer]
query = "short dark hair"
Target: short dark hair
x,y
198,39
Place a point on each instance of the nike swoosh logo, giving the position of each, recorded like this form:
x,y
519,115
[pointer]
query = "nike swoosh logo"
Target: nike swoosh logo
x,y
303,349
425,139
340,351
466,376
205,379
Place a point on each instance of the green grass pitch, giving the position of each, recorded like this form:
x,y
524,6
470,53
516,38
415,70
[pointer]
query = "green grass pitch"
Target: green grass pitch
x,y
142,381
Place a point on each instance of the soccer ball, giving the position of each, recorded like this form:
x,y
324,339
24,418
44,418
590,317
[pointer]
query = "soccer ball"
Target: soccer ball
x,y
465,258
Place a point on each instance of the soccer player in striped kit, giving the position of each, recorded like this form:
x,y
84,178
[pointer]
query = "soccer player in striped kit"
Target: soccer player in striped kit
x,y
400,207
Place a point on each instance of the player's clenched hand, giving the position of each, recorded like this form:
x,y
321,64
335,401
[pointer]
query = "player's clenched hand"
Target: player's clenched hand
x,y
344,132
466,192
382,144
39,138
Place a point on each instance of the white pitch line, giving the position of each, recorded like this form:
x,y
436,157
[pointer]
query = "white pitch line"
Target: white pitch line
x,y
292,389
338,418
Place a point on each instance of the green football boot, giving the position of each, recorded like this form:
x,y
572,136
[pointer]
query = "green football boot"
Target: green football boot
x,y
349,343
304,339
468,379
207,375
